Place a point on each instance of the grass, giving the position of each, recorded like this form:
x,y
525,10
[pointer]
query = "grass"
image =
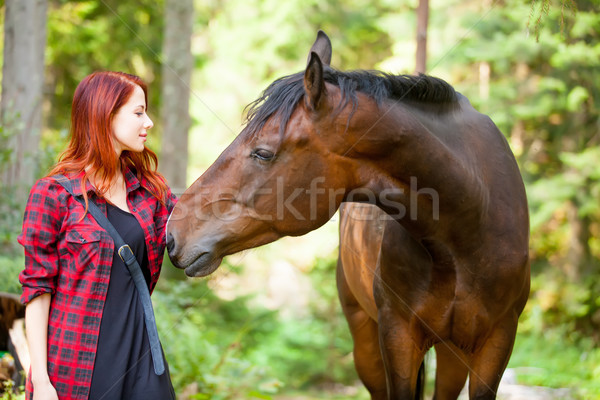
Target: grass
x,y
550,360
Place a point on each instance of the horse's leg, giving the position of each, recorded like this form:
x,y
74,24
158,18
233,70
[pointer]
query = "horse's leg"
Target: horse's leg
x,y
367,356
451,372
400,292
403,351
490,360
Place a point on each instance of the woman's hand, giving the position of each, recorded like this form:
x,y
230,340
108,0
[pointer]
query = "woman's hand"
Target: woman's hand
x,y
36,327
44,391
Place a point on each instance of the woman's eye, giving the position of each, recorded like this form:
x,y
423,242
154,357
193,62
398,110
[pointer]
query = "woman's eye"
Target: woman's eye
x,y
139,114
262,154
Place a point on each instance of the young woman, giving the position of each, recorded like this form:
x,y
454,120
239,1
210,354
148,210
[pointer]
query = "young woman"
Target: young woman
x,y
84,321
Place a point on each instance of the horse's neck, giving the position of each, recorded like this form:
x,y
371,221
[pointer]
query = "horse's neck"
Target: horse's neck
x,y
413,171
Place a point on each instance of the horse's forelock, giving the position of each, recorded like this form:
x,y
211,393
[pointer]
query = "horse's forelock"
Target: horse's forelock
x,y
278,99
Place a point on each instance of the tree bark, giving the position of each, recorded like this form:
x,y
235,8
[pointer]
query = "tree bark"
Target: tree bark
x,y
177,70
422,26
22,90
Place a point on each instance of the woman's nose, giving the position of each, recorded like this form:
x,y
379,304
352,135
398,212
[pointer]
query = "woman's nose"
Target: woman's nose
x,y
149,124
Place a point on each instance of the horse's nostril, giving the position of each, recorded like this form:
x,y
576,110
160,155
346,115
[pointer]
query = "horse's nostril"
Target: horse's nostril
x,y
170,243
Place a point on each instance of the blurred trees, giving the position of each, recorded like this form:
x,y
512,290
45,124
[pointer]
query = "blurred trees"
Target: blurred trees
x,y
20,109
89,35
21,105
177,71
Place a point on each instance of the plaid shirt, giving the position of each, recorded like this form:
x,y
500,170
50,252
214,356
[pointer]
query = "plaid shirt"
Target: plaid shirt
x,y
71,259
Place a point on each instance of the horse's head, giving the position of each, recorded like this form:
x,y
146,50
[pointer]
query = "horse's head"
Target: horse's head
x,y
278,178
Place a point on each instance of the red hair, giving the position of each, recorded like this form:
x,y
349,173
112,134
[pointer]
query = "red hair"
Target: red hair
x,y
97,99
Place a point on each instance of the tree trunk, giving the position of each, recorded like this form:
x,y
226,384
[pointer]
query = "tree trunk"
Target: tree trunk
x,y
22,90
177,70
422,22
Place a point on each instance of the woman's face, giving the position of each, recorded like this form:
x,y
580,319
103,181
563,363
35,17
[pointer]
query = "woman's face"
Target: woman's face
x,y
131,123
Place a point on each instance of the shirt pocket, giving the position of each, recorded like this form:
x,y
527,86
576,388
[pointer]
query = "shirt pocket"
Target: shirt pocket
x,y
83,249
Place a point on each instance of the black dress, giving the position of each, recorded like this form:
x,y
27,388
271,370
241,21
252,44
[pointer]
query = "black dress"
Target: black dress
x,y
123,368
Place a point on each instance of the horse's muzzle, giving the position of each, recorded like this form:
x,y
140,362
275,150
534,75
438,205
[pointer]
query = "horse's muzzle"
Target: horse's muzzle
x,y
205,264
170,244
198,259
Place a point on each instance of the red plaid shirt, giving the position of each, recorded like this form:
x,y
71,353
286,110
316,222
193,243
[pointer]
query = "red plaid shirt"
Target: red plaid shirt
x,y
72,259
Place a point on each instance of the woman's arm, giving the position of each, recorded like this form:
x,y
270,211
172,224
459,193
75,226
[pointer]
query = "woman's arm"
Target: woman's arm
x,y
42,222
36,328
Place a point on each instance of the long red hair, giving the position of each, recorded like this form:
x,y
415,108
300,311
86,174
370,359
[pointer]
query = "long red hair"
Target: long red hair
x,y
97,99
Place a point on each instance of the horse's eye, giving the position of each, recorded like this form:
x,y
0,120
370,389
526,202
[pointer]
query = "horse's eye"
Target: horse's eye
x,y
262,154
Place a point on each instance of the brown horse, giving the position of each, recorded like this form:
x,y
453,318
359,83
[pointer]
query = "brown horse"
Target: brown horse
x,y
444,264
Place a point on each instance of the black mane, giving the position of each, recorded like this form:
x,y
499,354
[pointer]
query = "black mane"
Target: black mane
x,y
282,96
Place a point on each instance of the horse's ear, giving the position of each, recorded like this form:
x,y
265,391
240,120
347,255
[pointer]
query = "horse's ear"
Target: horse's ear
x,y
314,85
321,46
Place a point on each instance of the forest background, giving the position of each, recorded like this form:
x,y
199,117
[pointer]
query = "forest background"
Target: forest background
x,y
267,324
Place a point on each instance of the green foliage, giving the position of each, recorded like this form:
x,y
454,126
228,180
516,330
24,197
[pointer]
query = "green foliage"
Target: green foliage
x,y
10,267
5,151
207,340
7,392
11,217
314,349
542,8
230,350
541,359
11,209
580,181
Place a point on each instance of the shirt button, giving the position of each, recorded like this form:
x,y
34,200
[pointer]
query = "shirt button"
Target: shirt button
x,y
133,210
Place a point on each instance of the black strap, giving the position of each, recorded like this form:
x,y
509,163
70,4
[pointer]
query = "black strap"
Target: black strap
x,y
124,251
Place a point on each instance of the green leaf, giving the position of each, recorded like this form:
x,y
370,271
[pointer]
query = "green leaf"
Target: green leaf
x,y
576,97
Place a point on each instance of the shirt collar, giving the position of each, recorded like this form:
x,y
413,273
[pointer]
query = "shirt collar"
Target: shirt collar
x,y
76,179
131,181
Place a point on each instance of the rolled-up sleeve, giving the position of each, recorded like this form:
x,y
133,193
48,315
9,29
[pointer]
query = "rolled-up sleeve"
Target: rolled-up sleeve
x,y
39,237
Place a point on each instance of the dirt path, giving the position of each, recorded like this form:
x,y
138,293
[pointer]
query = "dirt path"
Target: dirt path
x,y
508,390
505,392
